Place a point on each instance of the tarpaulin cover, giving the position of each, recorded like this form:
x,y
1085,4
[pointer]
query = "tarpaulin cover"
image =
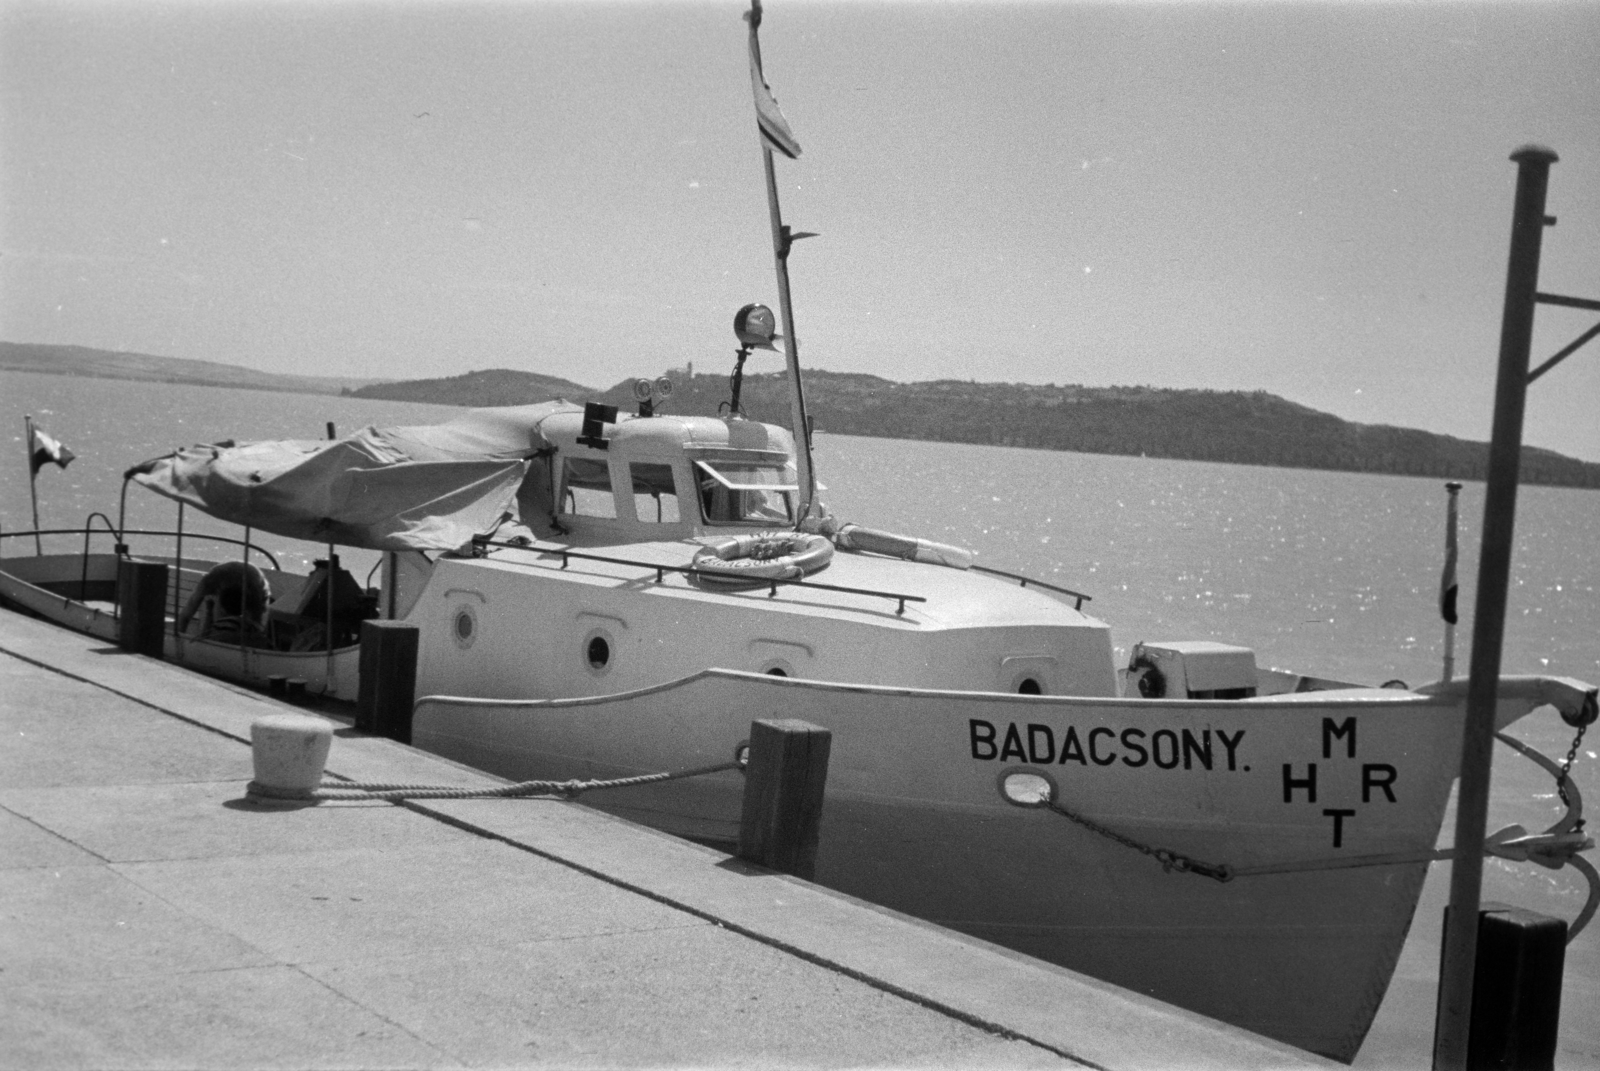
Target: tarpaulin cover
x,y
411,488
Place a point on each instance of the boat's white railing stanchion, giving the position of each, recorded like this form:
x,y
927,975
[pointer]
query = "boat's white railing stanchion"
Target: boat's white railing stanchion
x,y
1462,926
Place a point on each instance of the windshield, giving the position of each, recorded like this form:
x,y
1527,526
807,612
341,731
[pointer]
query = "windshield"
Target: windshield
x,y
733,492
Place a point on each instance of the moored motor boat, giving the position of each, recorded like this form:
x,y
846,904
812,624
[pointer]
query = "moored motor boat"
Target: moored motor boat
x,y
1246,842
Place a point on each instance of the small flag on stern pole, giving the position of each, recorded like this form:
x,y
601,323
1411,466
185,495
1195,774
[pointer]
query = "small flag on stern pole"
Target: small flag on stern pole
x,y
1447,585
44,449
775,132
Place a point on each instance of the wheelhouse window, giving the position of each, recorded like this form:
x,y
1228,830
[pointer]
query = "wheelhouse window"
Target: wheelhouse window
x,y
655,496
741,492
586,488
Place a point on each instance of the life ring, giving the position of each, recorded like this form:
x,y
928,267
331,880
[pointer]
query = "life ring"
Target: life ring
x,y
760,556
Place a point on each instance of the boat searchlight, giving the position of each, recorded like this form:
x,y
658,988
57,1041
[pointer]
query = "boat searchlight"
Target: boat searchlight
x,y
1024,788
756,327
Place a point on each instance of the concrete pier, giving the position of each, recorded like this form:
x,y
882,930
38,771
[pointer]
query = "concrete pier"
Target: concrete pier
x,y
151,916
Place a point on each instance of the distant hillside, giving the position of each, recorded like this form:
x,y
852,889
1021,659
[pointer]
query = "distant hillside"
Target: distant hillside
x,y
1247,428
491,387
106,364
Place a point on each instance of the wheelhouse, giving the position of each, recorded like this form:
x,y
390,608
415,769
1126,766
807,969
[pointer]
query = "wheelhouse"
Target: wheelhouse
x,y
669,477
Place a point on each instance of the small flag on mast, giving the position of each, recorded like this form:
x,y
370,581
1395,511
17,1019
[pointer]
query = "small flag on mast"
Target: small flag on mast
x,y
43,450
775,132
1447,582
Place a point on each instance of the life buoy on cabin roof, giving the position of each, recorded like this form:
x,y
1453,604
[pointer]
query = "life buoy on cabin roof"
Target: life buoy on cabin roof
x,y
761,556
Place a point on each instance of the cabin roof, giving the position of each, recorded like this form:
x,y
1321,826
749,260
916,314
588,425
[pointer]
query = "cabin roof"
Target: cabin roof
x,y
671,436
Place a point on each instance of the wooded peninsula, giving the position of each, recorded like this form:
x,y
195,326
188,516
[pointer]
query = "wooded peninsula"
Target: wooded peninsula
x,y
1238,427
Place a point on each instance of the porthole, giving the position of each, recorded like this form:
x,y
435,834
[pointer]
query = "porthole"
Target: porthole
x,y
464,627
1029,686
599,652
777,667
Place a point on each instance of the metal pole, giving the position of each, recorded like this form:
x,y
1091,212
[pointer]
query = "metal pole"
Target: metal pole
x,y
791,344
1447,584
33,475
1488,625
327,589
244,606
781,241
177,584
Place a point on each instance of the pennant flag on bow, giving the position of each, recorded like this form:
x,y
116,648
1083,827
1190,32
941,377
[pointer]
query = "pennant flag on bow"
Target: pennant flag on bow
x,y
775,132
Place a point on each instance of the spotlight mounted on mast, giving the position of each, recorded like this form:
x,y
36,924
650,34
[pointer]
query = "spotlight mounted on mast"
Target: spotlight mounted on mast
x,y
755,328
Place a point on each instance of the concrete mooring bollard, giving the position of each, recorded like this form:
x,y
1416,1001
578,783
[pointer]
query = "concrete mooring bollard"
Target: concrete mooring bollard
x,y
289,752
784,780
388,678
1516,989
142,607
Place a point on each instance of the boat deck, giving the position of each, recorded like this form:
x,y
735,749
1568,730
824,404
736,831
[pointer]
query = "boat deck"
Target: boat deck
x,y
157,918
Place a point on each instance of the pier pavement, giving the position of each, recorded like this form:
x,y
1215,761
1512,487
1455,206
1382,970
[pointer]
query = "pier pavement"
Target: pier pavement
x,y
150,916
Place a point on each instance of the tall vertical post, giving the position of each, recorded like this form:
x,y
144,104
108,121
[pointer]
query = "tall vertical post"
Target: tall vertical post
x,y
782,238
1488,625
791,345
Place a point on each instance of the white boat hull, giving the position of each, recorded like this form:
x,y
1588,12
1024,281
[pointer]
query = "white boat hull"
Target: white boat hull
x,y
914,819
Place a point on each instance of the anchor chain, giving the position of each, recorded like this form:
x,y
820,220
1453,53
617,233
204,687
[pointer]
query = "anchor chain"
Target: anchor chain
x,y
1556,847
1170,860
1566,769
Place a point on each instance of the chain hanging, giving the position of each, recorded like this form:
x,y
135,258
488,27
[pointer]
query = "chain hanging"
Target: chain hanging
x,y
1169,860
1566,769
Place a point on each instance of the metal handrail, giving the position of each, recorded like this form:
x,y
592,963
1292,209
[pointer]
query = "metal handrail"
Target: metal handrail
x,y
689,570
263,551
1025,581
121,547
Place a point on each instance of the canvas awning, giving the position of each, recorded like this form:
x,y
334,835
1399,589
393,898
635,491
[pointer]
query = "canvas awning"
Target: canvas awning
x,y
407,488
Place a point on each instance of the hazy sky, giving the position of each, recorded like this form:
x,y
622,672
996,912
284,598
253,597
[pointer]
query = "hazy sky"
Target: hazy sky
x,y
1310,199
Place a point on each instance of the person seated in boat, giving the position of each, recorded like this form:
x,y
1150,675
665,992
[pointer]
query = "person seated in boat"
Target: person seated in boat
x,y
231,604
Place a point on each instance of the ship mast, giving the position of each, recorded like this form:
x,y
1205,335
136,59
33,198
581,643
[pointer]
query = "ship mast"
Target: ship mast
x,y
776,136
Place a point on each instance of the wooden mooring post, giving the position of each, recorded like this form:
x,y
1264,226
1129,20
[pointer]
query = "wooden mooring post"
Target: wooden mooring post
x,y
388,678
141,607
1516,989
783,788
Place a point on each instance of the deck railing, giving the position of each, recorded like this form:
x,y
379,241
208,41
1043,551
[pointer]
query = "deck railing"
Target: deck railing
x,y
121,546
661,572
1025,581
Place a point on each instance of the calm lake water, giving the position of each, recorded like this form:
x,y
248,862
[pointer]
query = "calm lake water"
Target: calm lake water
x,y
1331,573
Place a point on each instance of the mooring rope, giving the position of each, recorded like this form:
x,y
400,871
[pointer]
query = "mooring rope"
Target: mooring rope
x,y
571,789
